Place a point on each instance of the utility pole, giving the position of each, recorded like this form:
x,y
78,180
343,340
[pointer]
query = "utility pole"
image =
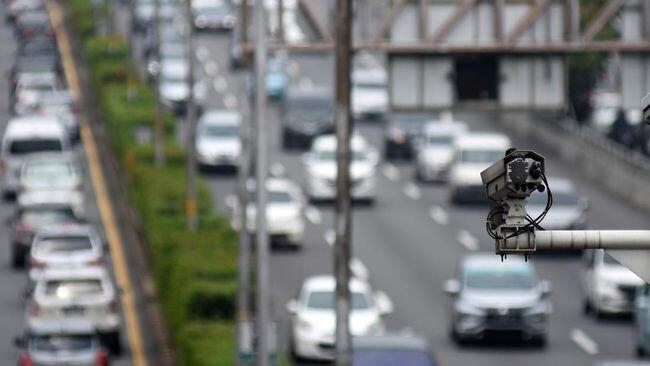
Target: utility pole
x,y
280,20
261,164
244,33
343,218
159,133
190,202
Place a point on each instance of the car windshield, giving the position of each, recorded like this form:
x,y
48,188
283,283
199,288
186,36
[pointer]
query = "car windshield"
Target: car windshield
x,y
499,279
221,130
56,342
309,104
559,198
274,196
20,147
62,245
480,156
609,260
440,140
330,155
46,216
390,358
325,300
47,169
70,289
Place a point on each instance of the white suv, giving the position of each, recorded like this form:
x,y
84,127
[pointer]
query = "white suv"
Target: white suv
x,y
77,294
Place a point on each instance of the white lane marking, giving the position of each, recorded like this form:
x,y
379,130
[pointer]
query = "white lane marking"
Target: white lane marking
x,y
330,237
466,239
306,82
390,171
231,201
220,84
439,215
412,191
584,341
202,53
313,215
358,269
277,170
211,68
230,101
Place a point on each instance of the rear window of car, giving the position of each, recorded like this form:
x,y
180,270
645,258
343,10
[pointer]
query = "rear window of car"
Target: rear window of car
x,y
391,358
44,216
56,342
64,244
47,168
20,147
325,300
70,289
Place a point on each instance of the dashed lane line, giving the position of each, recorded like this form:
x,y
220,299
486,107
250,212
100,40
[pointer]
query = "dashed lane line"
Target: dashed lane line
x,y
412,191
330,237
439,215
358,269
583,341
278,170
230,101
313,215
220,85
202,53
466,239
390,172
211,68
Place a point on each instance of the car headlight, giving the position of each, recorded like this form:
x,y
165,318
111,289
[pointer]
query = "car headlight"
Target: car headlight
x,y
467,310
304,324
537,313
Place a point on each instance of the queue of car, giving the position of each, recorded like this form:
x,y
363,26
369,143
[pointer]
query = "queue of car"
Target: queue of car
x,y
72,313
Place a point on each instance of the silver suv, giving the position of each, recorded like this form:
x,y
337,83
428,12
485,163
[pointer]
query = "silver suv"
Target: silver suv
x,y
491,297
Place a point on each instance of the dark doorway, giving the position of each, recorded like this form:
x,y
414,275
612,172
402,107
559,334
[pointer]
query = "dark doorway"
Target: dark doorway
x,y
476,78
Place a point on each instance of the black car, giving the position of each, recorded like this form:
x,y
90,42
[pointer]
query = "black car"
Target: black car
x,y
391,350
41,46
32,24
306,113
400,133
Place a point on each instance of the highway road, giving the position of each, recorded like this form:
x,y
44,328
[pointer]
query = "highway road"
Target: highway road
x,y
411,239
13,282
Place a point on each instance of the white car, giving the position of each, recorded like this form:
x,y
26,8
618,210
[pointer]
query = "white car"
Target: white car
x,y
217,139
320,164
74,295
313,317
369,93
30,87
54,173
605,109
435,150
24,136
473,153
64,247
284,212
569,211
608,286
174,90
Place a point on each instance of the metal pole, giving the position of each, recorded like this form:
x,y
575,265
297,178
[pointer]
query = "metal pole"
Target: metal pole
x,y
244,33
343,219
244,272
263,311
190,202
280,21
159,133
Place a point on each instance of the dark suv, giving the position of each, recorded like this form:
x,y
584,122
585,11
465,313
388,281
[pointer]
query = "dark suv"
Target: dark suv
x,y
306,113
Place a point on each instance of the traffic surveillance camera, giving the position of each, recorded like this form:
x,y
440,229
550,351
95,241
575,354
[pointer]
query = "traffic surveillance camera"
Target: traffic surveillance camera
x,y
516,176
645,103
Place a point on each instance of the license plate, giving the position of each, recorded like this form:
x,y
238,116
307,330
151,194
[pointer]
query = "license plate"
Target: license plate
x,y
73,311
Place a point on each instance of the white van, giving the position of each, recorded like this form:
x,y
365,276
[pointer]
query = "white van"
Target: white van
x,y
26,135
473,153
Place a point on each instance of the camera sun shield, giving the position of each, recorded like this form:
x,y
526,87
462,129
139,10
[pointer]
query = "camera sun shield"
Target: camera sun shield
x,y
517,175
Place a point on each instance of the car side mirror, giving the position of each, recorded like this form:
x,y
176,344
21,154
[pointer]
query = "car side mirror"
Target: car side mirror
x,y
545,287
19,342
452,287
384,303
292,307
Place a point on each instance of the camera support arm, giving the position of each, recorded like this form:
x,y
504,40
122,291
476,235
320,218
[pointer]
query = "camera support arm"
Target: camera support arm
x,y
549,240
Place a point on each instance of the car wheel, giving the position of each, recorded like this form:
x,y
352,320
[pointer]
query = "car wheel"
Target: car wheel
x,y
540,341
586,308
640,352
17,257
113,343
455,337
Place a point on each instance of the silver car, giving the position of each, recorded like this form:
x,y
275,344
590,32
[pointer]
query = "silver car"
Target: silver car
x,y
73,343
491,297
64,246
569,211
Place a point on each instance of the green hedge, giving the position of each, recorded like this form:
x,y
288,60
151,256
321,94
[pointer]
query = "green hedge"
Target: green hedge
x,y
195,271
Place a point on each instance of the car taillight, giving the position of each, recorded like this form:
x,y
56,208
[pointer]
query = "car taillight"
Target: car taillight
x,y
35,263
96,262
26,360
102,358
113,306
34,309
23,227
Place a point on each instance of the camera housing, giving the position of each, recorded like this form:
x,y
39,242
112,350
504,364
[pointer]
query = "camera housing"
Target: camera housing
x,y
645,105
516,176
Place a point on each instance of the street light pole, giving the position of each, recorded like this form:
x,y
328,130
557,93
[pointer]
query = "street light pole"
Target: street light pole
x,y
190,201
159,135
263,311
343,218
